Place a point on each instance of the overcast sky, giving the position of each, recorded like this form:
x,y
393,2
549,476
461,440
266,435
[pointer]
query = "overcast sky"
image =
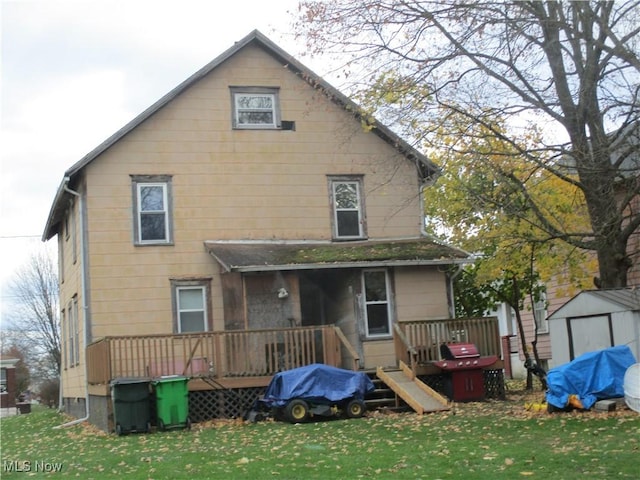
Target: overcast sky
x,y
74,72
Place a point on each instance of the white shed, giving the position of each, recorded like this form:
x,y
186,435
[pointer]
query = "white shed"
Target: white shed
x,y
593,320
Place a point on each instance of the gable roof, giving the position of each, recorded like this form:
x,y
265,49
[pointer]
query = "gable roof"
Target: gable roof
x,y
611,300
254,38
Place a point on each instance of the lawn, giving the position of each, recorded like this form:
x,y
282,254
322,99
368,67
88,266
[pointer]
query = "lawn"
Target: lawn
x,y
497,440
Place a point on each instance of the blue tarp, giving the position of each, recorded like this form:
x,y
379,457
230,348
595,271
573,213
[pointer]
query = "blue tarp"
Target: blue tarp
x,y
590,377
317,383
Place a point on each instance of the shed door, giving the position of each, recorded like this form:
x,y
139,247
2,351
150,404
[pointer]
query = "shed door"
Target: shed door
x,y
588,334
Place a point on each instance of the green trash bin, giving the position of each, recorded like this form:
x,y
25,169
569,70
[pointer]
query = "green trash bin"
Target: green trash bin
x,y
131,405
172,402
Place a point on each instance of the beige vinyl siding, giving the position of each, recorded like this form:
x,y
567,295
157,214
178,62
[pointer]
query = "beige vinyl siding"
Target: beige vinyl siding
x,y
73,378
379,353
421,294
230,184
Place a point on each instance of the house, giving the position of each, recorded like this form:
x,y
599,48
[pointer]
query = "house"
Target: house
x,y
8,385
251,220
593,320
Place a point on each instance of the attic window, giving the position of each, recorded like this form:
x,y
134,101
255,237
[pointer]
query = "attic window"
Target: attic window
x,y
255,108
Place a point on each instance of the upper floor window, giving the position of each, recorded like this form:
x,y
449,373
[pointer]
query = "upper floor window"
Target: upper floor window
x,y
64,328
152,209
191,305
255,107
73,334
540,314
3,380
348,219
377,307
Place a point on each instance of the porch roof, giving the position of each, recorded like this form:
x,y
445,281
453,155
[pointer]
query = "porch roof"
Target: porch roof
x,y
264,256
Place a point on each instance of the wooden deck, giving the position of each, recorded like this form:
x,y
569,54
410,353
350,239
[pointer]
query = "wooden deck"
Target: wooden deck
x,y
417,344
249,358
233,359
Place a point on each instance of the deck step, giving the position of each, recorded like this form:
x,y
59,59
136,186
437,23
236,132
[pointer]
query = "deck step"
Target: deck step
x,y
382,397
414,392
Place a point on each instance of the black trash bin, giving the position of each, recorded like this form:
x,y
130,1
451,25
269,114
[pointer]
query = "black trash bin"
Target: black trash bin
x,y
131,405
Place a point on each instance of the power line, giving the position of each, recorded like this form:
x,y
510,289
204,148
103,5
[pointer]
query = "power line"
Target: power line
x,y
20,236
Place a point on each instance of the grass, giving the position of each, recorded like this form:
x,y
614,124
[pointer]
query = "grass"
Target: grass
x,y
497,440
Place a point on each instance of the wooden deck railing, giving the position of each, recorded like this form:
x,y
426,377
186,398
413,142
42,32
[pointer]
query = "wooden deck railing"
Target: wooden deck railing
x,y
418,342
242,353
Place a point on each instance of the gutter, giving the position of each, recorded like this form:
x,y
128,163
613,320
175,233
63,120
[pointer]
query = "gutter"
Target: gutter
x,y
85,308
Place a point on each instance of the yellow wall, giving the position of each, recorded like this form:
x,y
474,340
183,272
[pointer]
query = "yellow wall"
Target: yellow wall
x,y
421,294
236,185
70,276
231,185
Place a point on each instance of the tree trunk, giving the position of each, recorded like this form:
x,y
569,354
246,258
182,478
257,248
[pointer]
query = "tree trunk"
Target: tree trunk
x,y
613,265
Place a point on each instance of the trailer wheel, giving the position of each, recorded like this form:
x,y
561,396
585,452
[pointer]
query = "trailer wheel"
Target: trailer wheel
x,y
355,408
296,411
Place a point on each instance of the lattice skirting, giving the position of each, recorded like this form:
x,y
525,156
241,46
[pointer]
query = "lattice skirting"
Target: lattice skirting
x,y
493,383
227,403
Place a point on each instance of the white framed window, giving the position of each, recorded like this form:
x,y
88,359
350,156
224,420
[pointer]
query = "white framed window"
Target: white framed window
x,y
74,234
191,308
71,335
3,380
64,329
76,331
377,307
255,107
152,209
540,314
348,219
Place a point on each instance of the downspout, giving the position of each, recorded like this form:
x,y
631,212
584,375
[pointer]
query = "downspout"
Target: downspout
x,y
452,306
85,308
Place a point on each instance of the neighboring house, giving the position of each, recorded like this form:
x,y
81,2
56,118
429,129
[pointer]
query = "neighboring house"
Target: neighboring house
x,y
8,385
252,197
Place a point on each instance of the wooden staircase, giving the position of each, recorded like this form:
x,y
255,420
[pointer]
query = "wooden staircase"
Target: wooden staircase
x,y
414,392
383,397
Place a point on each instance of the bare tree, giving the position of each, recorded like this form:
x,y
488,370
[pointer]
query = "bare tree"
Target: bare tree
x,y
35,313
448,68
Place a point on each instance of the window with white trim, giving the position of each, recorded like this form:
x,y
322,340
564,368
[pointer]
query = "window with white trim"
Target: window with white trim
x,y
76,330
255,107
348,219
71,335
540,314
3,380
152,209
64,328
377,307
191,310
